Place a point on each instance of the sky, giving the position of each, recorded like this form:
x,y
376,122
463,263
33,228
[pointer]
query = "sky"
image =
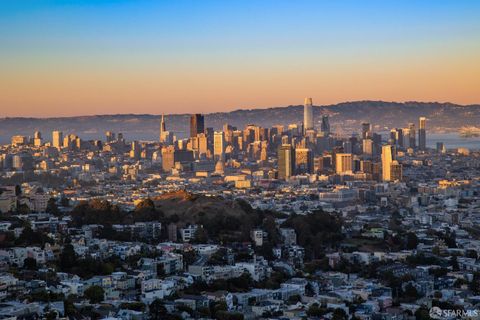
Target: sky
x,y
63,58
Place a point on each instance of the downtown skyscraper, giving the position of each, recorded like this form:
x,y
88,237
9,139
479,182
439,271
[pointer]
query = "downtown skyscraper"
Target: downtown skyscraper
x,y
422,133
197,124
307,115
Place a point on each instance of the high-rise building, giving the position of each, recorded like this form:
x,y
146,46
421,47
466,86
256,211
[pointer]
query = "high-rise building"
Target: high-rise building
x,y
325,126
163,128
109,136
412,136
396,171
307,115
387,158
57,139
286,161
366,130
396,137
406,138
422,133
135,150
171,156
168,158
37,139
368,147
303,160
219,146
197,124
343,163
441,147
166,137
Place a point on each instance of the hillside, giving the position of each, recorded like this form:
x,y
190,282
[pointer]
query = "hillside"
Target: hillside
x,y
344,117
192,208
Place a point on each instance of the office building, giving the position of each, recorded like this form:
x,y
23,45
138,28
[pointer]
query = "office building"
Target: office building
x,y
109,136
343,163
303,160
307,115
219,146
441,147
325,126
366,130
368,147
396,171
57,139
387,159
412,135
197,124
286,161
166,137
422,133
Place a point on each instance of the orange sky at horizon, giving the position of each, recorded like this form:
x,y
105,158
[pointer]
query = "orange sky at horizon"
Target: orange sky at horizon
x,y
43,92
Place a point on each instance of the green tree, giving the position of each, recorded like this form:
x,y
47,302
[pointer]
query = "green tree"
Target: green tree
x,y
95,294
339,314
136,306
30,264
52,207
412,241
68,257
157,310
475,284
51,315
411,292
315,311
201,236
422,313
69,307
64,202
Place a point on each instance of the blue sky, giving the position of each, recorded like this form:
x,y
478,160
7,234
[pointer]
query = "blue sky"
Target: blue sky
x,y
48,44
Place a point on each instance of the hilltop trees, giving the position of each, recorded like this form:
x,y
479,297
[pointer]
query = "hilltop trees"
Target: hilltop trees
x,y
316,231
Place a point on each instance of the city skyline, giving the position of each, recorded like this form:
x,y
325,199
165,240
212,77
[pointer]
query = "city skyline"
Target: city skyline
x,y
240,159
90,57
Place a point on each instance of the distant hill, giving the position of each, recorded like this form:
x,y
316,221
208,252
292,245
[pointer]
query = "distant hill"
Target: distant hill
x,y
344,118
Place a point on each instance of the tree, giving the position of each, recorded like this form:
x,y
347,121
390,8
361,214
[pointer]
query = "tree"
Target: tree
x,y
136,306
51,315
454,263
23,209
294,299
412,241
475,284
64,202
157,310
52,207
30,264
422,313
18,190
339,314
68,257
94,294
315,311
411,292
201,236
225,315
145,205
69,307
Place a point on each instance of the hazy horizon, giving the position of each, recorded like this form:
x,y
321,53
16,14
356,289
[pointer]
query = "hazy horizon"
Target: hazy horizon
x,y
230,110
